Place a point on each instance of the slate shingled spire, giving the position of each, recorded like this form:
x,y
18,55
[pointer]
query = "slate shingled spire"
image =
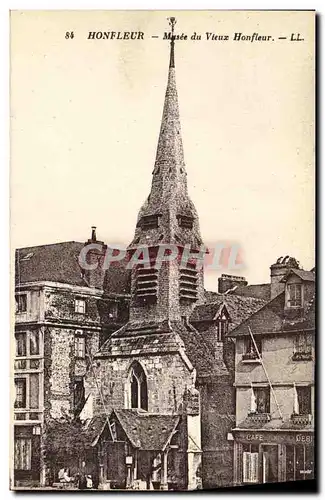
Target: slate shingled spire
x,y
168,199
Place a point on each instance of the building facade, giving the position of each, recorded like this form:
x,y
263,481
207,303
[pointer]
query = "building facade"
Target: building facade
x,y
59,323
274,381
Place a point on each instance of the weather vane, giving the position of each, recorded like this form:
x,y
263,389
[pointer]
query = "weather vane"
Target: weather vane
x,y
172,22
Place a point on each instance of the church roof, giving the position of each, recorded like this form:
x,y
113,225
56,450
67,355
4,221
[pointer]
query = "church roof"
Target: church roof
x,y
147,431
163,338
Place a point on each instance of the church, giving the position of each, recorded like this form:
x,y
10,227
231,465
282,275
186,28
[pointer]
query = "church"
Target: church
x,y
167,375
142,358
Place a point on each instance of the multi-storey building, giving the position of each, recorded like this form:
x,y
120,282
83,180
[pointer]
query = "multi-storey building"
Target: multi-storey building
x,y
274,381
60,320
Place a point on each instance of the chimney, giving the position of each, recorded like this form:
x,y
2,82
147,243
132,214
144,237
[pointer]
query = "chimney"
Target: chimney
x,y
95,277
278,271
227,281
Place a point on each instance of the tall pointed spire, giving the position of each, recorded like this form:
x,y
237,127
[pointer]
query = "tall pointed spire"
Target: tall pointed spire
x,y
167,217
170,155
172,22
168,198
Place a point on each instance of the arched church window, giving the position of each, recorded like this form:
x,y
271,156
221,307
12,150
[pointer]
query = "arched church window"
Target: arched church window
x,y
138,387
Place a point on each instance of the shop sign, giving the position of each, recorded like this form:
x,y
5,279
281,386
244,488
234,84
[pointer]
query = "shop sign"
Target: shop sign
x,y
274,437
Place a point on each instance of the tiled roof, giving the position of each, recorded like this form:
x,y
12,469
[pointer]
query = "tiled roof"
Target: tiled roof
x,y
238,307
147,431
94,428
262,291
163,338
57,262
304,275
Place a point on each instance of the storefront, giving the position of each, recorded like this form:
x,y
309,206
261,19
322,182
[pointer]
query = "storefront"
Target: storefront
x,y
27,455
273,456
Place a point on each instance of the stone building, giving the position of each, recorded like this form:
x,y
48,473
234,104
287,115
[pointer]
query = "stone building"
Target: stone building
x,y
169,371
60,320
147,359
274,381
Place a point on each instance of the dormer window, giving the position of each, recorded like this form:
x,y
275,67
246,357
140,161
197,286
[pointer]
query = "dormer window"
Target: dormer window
x,y
184,221
294,295
149,222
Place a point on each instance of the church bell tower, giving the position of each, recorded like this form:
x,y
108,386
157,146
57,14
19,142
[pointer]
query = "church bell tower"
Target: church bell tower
x,y
167,224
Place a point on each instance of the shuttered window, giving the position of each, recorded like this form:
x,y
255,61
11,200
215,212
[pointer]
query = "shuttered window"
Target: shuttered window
x,y
250,467
23,453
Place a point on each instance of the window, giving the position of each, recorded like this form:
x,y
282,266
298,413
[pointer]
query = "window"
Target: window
x,y
113,310
250,464
184,221
299,462
78,395
222,329
260,400
303,395
20,387
138,387
21,303
303,347
294,294
149,222
250,350
33,343
79,346
21,344
23,453
80,306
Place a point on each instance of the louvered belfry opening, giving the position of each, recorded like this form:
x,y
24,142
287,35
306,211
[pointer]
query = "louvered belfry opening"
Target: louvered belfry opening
x,y
146,285
188,277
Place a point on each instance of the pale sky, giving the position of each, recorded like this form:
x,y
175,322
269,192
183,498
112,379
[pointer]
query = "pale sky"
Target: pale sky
x,y
86,117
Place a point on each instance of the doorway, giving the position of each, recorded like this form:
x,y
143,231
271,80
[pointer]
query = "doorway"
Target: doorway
x,y
270,463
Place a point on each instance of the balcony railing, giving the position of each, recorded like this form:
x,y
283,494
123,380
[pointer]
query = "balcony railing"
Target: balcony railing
x,y
302,356
301,419
259,418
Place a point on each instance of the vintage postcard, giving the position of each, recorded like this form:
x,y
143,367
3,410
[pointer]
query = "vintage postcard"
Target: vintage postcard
x,y
162,233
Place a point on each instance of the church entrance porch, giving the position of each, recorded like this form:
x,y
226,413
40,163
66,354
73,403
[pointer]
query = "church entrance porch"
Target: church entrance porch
x,y
141,451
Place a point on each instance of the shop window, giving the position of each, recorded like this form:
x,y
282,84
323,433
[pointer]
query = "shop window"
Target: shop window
x,y
294,295
21,302
79,346
20,388
250,464
303,347
21,344
250,353
138,387
80,306
23,453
